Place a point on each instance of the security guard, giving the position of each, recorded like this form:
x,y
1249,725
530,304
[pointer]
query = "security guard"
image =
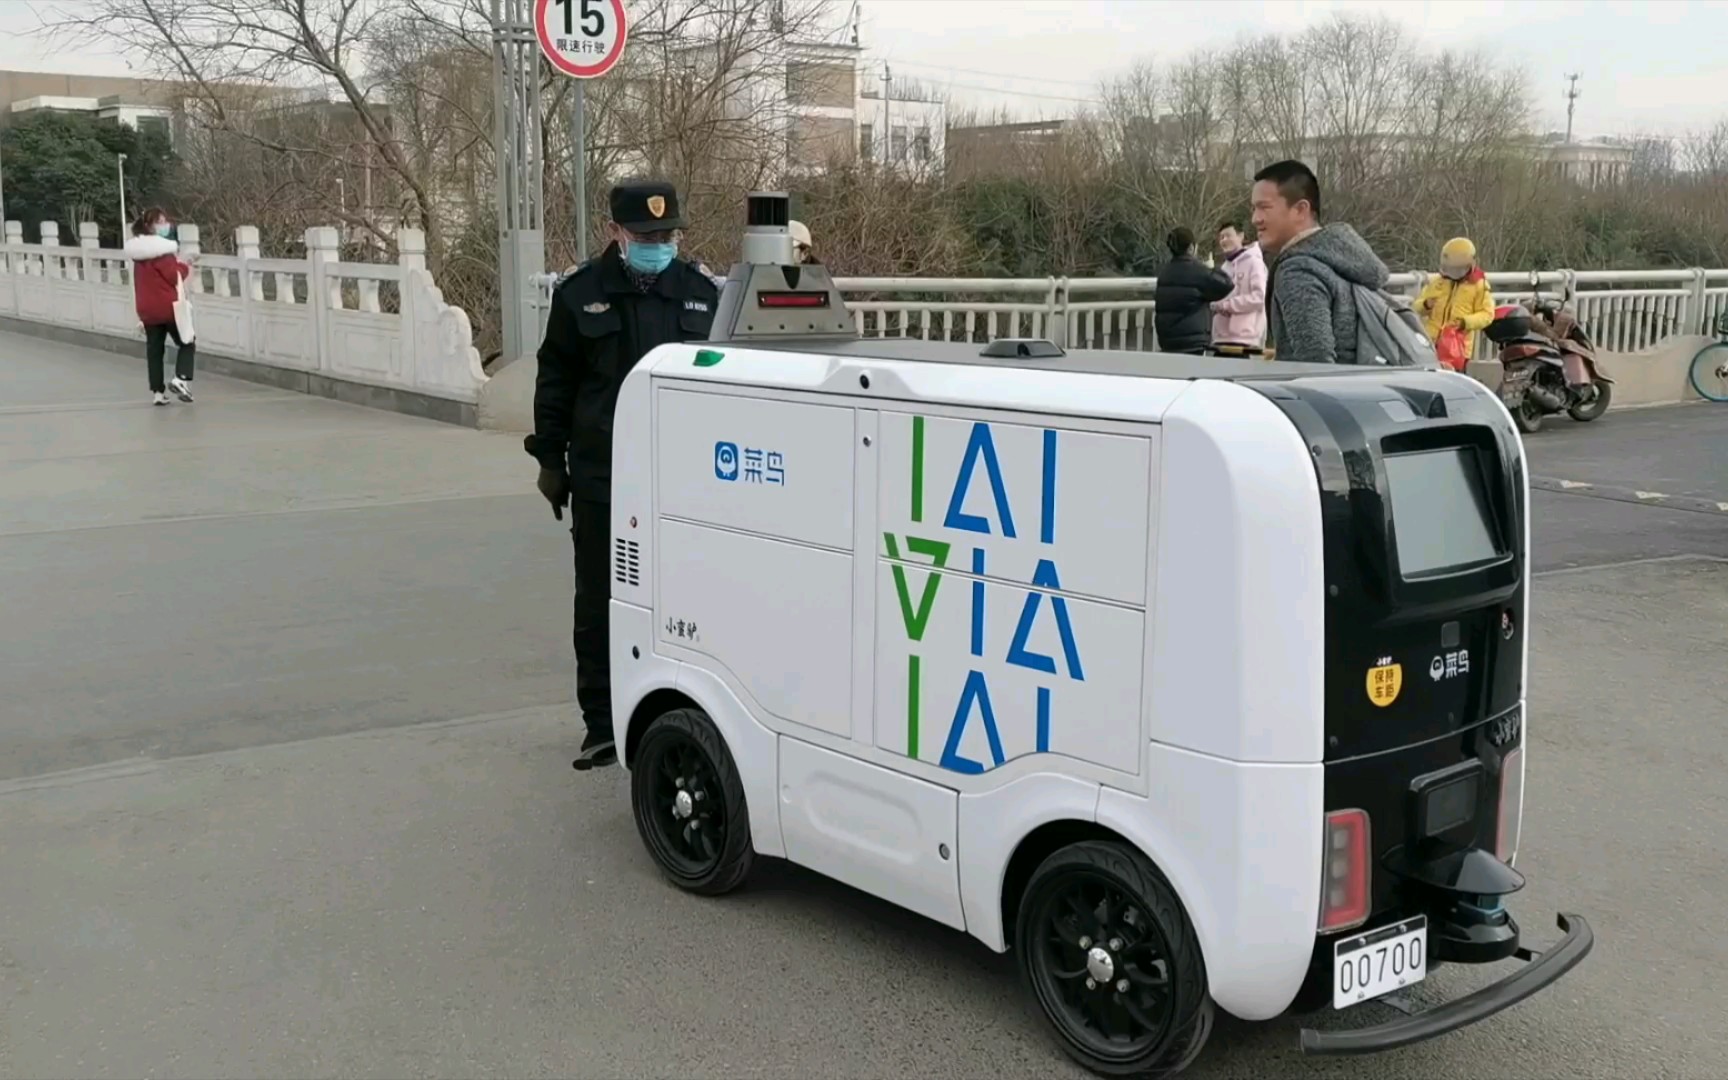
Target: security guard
x,y
608,314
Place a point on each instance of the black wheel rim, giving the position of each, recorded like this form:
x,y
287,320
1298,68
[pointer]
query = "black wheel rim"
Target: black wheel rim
x,y
686,808
1087,926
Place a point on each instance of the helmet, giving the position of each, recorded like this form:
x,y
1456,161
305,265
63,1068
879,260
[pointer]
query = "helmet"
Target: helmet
x,y
800,232
1457,257
1459,248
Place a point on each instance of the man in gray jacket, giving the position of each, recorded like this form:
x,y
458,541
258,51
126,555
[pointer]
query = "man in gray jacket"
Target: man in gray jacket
x,y
1310,311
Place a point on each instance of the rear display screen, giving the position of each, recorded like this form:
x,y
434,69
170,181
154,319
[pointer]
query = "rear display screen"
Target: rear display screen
x,y
1440,516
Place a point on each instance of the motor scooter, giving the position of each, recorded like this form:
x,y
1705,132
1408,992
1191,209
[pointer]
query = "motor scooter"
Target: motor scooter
x,y
1549,361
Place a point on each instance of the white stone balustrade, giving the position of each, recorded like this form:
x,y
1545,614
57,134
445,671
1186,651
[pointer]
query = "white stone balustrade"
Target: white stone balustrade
x,y
316,323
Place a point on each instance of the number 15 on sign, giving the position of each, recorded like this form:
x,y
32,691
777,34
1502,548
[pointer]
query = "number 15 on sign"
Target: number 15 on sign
x,y
581,38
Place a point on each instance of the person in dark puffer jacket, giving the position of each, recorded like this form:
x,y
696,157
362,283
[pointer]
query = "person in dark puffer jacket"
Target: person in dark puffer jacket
x,y
1186,289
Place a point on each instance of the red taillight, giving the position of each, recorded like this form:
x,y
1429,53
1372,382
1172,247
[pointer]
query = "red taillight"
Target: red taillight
x,y
1511,805
791,300
1346,871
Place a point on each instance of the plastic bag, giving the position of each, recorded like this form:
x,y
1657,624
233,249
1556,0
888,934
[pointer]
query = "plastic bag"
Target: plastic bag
x,y
1449,347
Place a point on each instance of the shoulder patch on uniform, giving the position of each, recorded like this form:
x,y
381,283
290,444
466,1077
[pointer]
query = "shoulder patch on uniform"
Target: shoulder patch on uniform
x,y
597,307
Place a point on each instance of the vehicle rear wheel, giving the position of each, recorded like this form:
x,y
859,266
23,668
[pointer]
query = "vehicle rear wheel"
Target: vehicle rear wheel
x,y
689,804
1113,961
1710,372
1529,416
1603,393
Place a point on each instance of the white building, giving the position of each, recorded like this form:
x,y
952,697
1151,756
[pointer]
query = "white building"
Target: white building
x,y
1590,163
810,105
841,111
140,117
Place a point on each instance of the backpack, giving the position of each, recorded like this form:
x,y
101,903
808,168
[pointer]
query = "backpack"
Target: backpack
x,y
1389,332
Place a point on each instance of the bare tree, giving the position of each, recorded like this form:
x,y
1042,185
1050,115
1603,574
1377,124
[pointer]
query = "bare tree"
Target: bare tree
x,y
314,47
1176,137
1705,153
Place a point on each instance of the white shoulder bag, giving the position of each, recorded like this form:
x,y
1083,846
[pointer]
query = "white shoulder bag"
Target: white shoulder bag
x,y
183,314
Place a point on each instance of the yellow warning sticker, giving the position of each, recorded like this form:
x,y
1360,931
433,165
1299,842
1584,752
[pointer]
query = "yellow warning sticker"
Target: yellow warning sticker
x,y
1385,679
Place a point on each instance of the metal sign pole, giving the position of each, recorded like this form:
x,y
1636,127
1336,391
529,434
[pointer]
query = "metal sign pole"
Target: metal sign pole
x,y
579,167
584,41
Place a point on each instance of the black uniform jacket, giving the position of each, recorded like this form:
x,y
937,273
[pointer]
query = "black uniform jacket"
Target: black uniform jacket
x,y
601,324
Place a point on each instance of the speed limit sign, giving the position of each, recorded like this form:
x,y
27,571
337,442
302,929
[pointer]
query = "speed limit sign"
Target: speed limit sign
x,y
582,38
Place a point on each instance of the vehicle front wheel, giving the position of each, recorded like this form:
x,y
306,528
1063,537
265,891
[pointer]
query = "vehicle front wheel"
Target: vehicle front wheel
x,y
1601,394
1529,416
689,804
1115,965
1709,372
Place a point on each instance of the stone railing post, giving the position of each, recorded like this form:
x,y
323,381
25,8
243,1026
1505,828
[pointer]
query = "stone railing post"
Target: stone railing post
x,y
50,239
1692,320
323,288
411,256
245,291
13,262
88,272
411,249
89,240
190,249
246,247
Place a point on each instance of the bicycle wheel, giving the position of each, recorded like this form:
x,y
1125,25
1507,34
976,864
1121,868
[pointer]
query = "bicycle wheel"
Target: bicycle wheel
x,y
1710,372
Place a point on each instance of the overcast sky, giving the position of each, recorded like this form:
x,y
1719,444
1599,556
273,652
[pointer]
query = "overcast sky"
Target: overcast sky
x,y
1659,67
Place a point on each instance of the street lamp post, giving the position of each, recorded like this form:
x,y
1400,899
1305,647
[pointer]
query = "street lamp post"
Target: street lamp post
x,y
120,171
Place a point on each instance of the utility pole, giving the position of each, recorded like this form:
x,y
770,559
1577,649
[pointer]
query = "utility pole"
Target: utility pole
x,y
120,171
1571,104
887,131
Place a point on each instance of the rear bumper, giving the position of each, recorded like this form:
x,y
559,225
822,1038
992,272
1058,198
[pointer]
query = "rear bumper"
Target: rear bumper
x,y
1539,971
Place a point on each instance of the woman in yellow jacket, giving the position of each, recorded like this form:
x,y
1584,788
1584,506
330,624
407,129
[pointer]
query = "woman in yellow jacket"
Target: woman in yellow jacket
x,y
1459,296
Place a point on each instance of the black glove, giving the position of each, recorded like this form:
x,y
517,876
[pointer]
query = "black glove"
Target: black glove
x,y
555,485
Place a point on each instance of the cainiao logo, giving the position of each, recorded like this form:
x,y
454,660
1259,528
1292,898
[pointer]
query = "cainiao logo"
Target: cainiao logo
x,y
726,460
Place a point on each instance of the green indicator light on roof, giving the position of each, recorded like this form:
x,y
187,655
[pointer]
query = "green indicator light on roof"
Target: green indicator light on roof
x,y
708,357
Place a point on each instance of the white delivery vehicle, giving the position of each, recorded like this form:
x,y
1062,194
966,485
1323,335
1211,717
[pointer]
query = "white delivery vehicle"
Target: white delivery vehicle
x,y
1199,683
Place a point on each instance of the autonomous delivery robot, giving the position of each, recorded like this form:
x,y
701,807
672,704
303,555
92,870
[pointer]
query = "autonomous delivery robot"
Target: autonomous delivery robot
x,y
1198,683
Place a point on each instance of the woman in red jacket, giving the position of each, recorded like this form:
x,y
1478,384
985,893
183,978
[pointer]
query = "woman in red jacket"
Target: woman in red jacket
x,y
158,281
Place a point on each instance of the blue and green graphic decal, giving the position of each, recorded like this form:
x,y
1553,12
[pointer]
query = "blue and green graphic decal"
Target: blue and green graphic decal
x,y
980,463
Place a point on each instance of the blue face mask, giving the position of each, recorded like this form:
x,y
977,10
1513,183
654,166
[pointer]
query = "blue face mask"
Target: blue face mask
x,y
164,229
646,258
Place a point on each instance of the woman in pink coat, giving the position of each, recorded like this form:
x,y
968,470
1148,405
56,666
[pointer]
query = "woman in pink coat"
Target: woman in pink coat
x,y
1240,318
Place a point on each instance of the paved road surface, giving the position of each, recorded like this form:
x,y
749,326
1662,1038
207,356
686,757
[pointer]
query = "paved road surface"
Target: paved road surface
x,y
1637,484
309,665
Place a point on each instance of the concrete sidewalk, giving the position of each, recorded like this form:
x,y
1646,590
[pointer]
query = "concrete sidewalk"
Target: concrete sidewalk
x,y
256,567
